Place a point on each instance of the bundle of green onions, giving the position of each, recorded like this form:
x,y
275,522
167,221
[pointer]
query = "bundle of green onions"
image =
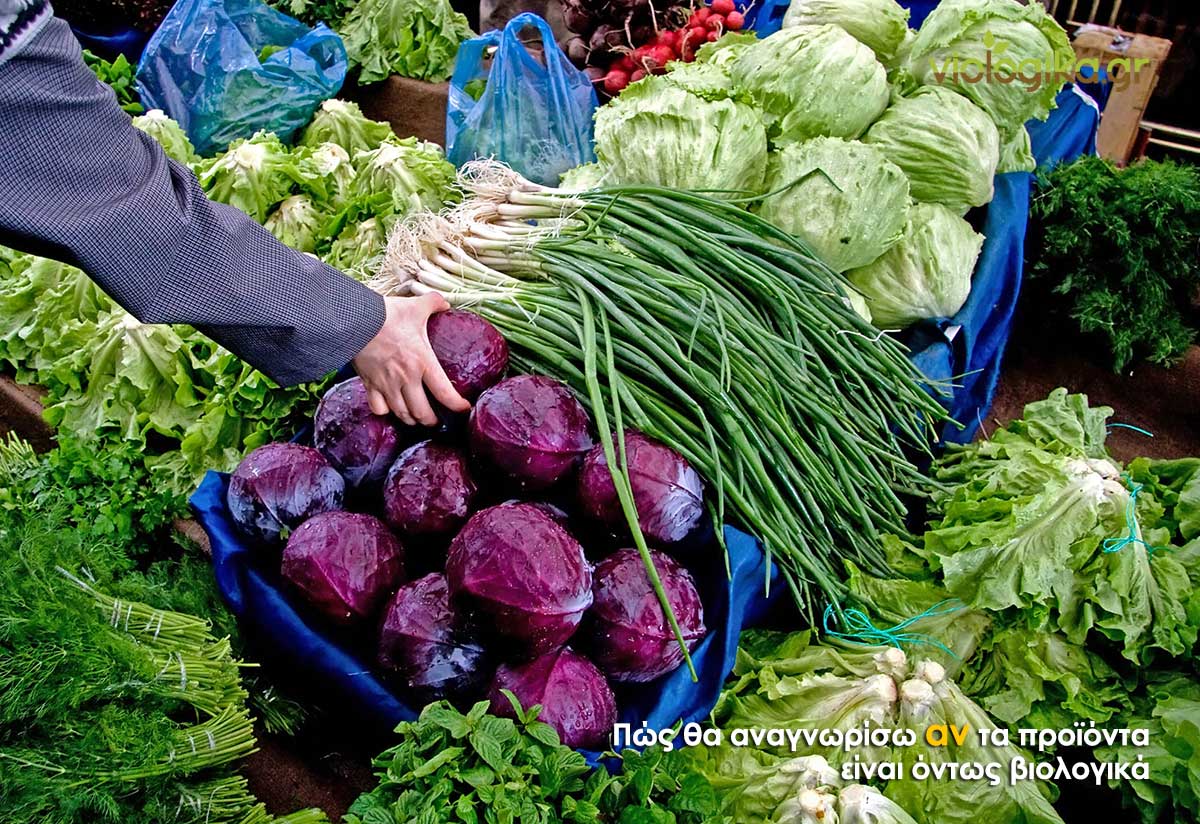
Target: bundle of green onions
x,y
705,328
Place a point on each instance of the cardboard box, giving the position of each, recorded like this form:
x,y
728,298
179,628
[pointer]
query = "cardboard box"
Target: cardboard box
x,y
414,108
1142,59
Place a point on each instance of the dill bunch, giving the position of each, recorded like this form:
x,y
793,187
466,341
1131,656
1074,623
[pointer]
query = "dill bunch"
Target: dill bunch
x,y
1118,251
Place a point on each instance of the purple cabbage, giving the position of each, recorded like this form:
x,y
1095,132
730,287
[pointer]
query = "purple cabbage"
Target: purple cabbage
x,y
575,698
357,442
530,428
630,637
667,492
279,486
425,644
345,564
472,352
429,490
523,573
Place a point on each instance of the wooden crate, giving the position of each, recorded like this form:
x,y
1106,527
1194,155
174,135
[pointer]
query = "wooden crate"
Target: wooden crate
x,y
1142,59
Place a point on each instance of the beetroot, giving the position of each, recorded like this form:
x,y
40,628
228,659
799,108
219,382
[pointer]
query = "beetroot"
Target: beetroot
x,y
358,443
429,490
345,564
424,642
524,575
530,428
279,486
472,352
667,492
630,637
575,699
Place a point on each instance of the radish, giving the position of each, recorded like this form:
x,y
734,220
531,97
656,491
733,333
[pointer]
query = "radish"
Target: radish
x,y
699,16
668,38
662,55
637,75
723,7
697,35
626,63
715,22
714,36
615,81
735,20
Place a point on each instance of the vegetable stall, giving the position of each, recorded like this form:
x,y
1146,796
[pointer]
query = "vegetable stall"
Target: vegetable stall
x,y
728,534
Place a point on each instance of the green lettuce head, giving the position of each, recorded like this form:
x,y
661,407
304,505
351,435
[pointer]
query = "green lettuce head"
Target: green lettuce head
x,y
582,178
356,249
682,130
812,81
1029,55
843,198
926,275
411,38
297,223
169,134
860,804
725,49
343,123
328,174
413,173
252,175
878,24
946,145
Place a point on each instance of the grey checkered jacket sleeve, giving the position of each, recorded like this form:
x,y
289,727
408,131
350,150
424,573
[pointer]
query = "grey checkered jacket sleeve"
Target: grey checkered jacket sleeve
x,y
80,184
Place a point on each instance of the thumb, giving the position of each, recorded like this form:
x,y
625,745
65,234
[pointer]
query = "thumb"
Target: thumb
x,y
434,302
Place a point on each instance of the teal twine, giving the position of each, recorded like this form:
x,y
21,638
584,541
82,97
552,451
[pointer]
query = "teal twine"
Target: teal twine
x,y
1131,522
1137,429
861,630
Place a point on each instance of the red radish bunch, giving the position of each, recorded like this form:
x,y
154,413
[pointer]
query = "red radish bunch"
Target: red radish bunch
x,y
619,42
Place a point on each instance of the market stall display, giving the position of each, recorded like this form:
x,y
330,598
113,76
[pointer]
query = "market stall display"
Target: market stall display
x,y
711,377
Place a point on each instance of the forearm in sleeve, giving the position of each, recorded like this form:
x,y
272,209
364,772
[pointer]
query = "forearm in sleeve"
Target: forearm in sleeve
x,y
78,182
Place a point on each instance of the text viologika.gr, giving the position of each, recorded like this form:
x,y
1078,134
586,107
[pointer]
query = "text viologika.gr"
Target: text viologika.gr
x,y
996,66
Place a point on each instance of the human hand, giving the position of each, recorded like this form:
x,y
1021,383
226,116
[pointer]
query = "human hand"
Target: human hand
x,y
398,363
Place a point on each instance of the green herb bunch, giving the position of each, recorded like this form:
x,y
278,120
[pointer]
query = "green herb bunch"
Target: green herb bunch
x,y
451,767
118,75
1118,250
110,710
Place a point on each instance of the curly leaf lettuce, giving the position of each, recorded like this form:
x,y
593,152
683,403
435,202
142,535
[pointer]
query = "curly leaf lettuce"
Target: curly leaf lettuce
x,y
411,38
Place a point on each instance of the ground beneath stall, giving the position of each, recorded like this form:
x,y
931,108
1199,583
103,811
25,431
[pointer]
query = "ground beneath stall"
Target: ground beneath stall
x,y
318,771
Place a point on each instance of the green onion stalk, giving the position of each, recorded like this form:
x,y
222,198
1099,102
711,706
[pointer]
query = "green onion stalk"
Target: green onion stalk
x,y
708,329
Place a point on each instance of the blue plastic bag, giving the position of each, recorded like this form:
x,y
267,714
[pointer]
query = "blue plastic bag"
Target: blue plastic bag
x,y
340,675
536,118
203,68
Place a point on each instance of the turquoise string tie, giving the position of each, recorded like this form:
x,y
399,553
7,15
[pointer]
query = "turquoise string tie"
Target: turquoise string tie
x,y
861,630
1132,529
1130,426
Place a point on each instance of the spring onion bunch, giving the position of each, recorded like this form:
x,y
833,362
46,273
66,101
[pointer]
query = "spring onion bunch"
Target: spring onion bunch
x,y
706,328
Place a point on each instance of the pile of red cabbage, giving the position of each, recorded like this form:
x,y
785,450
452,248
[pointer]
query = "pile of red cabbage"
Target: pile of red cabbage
x,y
462,556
